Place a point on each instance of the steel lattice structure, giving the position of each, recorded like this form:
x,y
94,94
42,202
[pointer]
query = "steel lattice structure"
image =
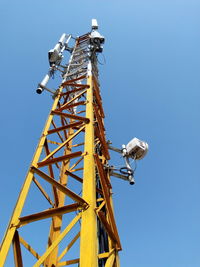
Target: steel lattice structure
x,y
67,183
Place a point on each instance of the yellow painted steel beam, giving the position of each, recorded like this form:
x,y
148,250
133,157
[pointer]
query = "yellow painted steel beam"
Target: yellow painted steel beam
x,y
76,170
57,241
69,246
117,262
75,164
101,206
29,248
58,133
51,173
111,259
70,262
88,239
81,144
43,191
103,255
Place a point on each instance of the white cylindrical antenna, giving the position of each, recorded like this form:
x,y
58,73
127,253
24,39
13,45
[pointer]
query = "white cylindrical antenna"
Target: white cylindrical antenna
x,y
43,83
94,24
45,80
62,39
68,39
57,48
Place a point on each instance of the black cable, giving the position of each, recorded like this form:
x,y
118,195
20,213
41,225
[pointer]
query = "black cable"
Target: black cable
x,y
104,58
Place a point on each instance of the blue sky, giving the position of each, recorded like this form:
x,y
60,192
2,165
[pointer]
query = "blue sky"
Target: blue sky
x,y
151,89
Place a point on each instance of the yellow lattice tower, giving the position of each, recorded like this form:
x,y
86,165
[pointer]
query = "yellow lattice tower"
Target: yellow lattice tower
x,y
67,171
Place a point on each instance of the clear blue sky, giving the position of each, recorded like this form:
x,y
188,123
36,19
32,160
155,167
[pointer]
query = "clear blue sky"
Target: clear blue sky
x,y
151,89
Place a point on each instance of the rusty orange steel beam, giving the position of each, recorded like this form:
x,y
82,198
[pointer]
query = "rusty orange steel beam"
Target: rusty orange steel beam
x,y
60,187
49,213
69,106
71,116
58,159
17,250
71,125
108,228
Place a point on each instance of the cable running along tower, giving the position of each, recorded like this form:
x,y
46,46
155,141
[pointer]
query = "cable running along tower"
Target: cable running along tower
x,y
64,213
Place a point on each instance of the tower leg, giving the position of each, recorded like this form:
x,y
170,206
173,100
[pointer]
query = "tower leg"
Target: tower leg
x,y
88,241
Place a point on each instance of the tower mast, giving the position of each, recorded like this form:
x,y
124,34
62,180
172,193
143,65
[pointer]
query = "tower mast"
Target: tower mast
x,y
67,190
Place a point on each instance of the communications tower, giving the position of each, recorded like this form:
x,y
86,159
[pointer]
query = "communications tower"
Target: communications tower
x,y
64,214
